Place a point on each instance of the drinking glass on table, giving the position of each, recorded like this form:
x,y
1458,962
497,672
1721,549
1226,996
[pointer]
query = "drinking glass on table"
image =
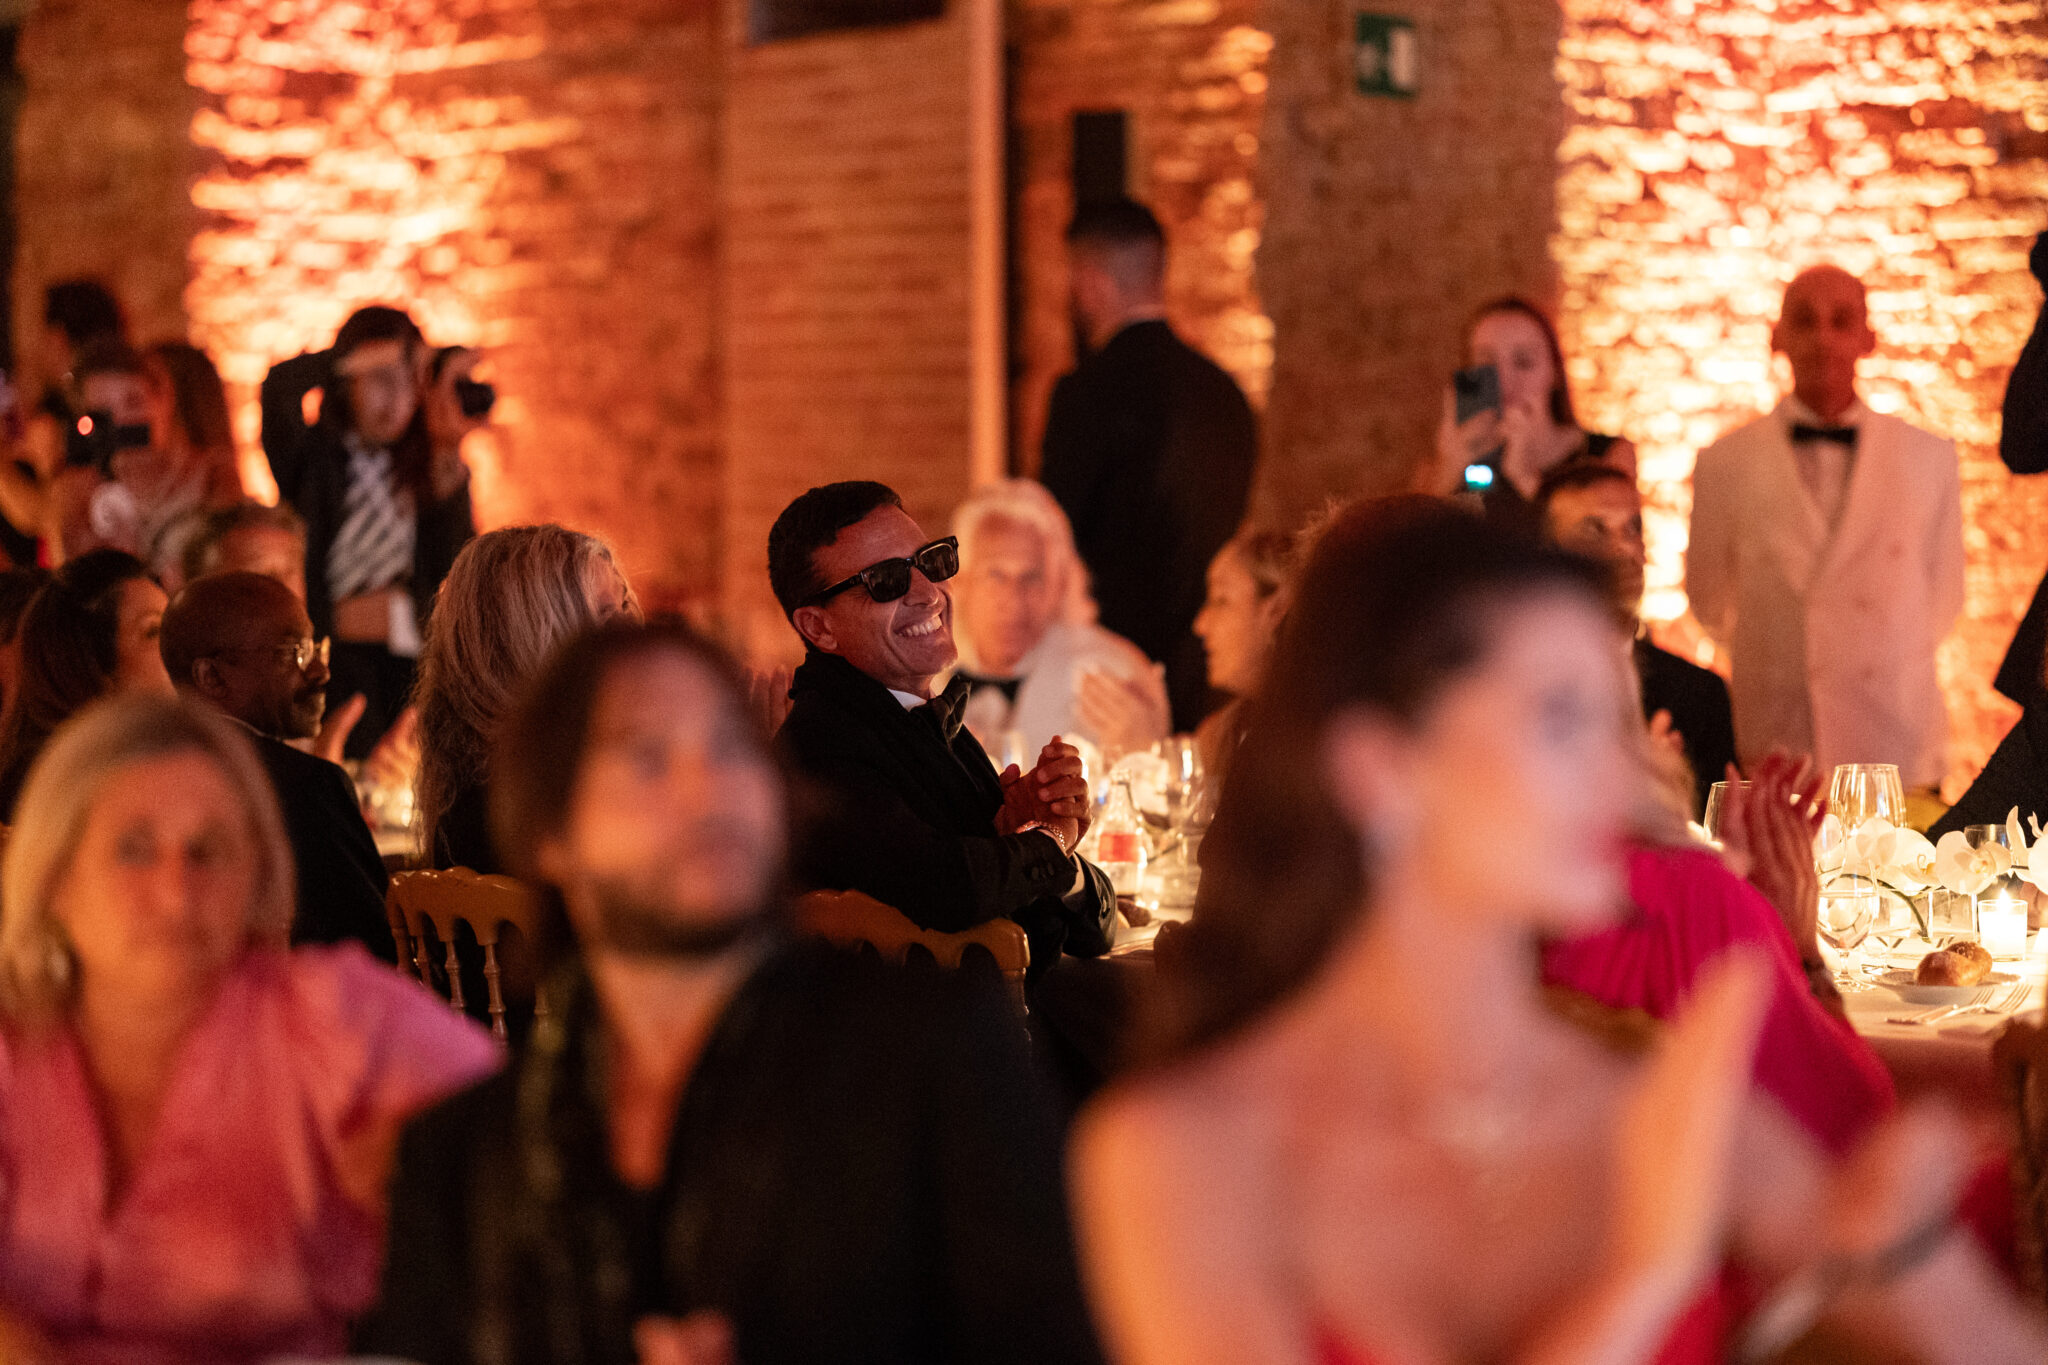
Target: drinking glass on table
x,y
1861,792
1848,907
1717,808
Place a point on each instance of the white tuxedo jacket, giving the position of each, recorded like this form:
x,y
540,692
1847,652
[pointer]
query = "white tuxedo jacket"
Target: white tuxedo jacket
x,y
1831,635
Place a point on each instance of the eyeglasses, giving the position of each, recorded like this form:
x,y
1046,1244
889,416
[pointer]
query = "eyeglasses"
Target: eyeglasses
x,y
890,579
301,652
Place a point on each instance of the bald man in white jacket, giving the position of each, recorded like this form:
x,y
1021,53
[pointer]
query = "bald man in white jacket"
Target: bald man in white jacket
x,y
1827,555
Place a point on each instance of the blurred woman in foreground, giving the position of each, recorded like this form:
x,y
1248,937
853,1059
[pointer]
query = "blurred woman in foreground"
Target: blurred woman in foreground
x,y
195,1123
1365,1136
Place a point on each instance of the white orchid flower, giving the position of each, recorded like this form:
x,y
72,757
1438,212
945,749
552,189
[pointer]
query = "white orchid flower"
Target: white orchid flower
x,y
1968,871
1829,845
1907,861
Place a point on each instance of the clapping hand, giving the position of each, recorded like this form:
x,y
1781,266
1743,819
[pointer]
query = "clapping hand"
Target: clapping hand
x,y
1054,792
1767,833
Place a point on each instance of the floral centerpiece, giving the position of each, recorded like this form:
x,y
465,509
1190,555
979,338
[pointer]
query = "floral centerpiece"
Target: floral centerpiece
x,y
1901,862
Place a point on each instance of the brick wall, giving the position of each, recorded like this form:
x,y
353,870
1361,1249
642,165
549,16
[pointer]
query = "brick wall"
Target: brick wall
x,y
537,177
1192,74
1714,149
1387,222
103,164
848,283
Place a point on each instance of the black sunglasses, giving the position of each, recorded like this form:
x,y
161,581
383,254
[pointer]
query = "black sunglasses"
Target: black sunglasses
x,y
890,579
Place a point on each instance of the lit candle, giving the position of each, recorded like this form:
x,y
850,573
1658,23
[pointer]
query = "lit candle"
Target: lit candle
x,y
2002,926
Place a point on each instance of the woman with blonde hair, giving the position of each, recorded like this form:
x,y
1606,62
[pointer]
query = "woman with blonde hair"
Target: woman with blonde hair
x,y
195,1122
512,596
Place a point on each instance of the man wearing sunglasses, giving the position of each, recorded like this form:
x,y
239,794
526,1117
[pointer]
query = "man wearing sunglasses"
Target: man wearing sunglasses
x,y
914,813
242,644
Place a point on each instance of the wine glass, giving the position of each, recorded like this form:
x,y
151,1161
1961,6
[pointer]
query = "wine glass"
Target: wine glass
x,y
1717,808
1861,792
1848,907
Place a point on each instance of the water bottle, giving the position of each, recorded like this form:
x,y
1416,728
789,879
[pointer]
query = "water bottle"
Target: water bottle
x,y
1120,844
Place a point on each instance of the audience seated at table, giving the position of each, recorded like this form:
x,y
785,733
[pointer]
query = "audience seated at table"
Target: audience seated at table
x,y
1247,597
1533,430
1037,663
512,596
722,1141
91,631
910,810
1364,1136
242,644
250,537
1596,510
195,1124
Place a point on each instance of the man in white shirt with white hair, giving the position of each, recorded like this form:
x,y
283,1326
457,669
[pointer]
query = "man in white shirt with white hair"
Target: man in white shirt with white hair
x,y
1827,555
1024,620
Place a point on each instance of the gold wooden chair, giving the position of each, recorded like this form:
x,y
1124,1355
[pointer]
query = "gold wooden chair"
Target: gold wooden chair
x,y
2020,1058
852,918
445,899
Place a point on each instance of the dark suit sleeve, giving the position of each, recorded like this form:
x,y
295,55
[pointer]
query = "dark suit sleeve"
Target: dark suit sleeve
x,y
444,528
284,420
425,1296
2015,776
2023,435
341,876
1009,1253
1072,453
874,842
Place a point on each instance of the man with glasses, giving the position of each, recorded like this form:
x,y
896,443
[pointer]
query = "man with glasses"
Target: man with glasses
x,y
915,815
242,644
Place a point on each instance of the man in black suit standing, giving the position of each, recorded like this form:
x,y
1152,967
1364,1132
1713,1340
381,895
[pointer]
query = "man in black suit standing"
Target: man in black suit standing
x,y
913,812
1149,446
242,644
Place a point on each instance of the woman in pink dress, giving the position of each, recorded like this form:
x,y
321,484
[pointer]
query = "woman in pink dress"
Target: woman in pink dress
x,y
1365,1135
195,1123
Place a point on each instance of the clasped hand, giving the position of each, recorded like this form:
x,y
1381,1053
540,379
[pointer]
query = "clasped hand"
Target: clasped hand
x,y
1053,793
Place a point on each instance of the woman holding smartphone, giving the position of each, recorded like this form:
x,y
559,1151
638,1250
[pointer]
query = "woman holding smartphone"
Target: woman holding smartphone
x,y
1519,425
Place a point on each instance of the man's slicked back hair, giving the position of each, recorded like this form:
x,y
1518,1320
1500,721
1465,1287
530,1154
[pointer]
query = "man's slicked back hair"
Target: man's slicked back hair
x,y
811,523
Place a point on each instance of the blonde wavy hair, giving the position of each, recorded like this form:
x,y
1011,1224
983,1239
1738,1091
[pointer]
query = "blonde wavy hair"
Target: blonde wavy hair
x,y
511,597
38,970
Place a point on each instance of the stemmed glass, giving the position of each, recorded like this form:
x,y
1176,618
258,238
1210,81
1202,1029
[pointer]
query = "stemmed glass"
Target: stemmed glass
x,y
1717,808
1848,908
1187,791
1857,794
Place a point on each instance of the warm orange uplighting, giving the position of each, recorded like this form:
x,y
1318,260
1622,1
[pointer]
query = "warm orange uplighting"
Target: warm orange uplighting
x,y
1715,147
333,185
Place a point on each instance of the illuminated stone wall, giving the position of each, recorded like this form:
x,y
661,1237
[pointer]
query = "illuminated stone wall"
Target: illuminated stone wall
x,y
1192,76
1387,222
1717,146
537,177
102,162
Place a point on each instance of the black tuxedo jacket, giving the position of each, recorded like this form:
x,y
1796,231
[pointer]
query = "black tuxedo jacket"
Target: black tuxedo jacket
x,y
1149,446
908,819
341,876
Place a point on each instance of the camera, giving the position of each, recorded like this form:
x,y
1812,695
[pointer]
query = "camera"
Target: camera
x,y
94,440
475,398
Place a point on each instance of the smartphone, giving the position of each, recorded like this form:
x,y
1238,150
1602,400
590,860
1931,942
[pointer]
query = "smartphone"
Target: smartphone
x,y
1476,390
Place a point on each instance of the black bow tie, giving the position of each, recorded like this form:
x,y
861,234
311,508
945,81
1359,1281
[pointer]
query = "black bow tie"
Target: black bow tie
x,y
1840,435
1007,686
945,709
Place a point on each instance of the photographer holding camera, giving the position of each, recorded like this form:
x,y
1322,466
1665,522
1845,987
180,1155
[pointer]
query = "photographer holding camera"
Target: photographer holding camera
x,y
380,481
148,448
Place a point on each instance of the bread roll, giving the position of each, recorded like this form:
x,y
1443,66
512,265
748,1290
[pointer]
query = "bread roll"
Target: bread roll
x,y
1959,964
1977,958
1939,968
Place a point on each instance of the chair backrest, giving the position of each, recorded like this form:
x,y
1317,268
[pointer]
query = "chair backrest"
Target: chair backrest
x,y
851,918
458,896
2020,1058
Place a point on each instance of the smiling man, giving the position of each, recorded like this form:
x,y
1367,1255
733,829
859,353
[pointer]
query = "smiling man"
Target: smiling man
x,y
913,812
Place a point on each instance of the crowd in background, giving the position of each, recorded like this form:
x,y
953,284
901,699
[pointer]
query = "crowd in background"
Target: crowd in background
x,y
1472,1049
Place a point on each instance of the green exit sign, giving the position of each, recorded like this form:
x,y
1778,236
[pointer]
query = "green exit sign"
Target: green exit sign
x,y
1386,61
